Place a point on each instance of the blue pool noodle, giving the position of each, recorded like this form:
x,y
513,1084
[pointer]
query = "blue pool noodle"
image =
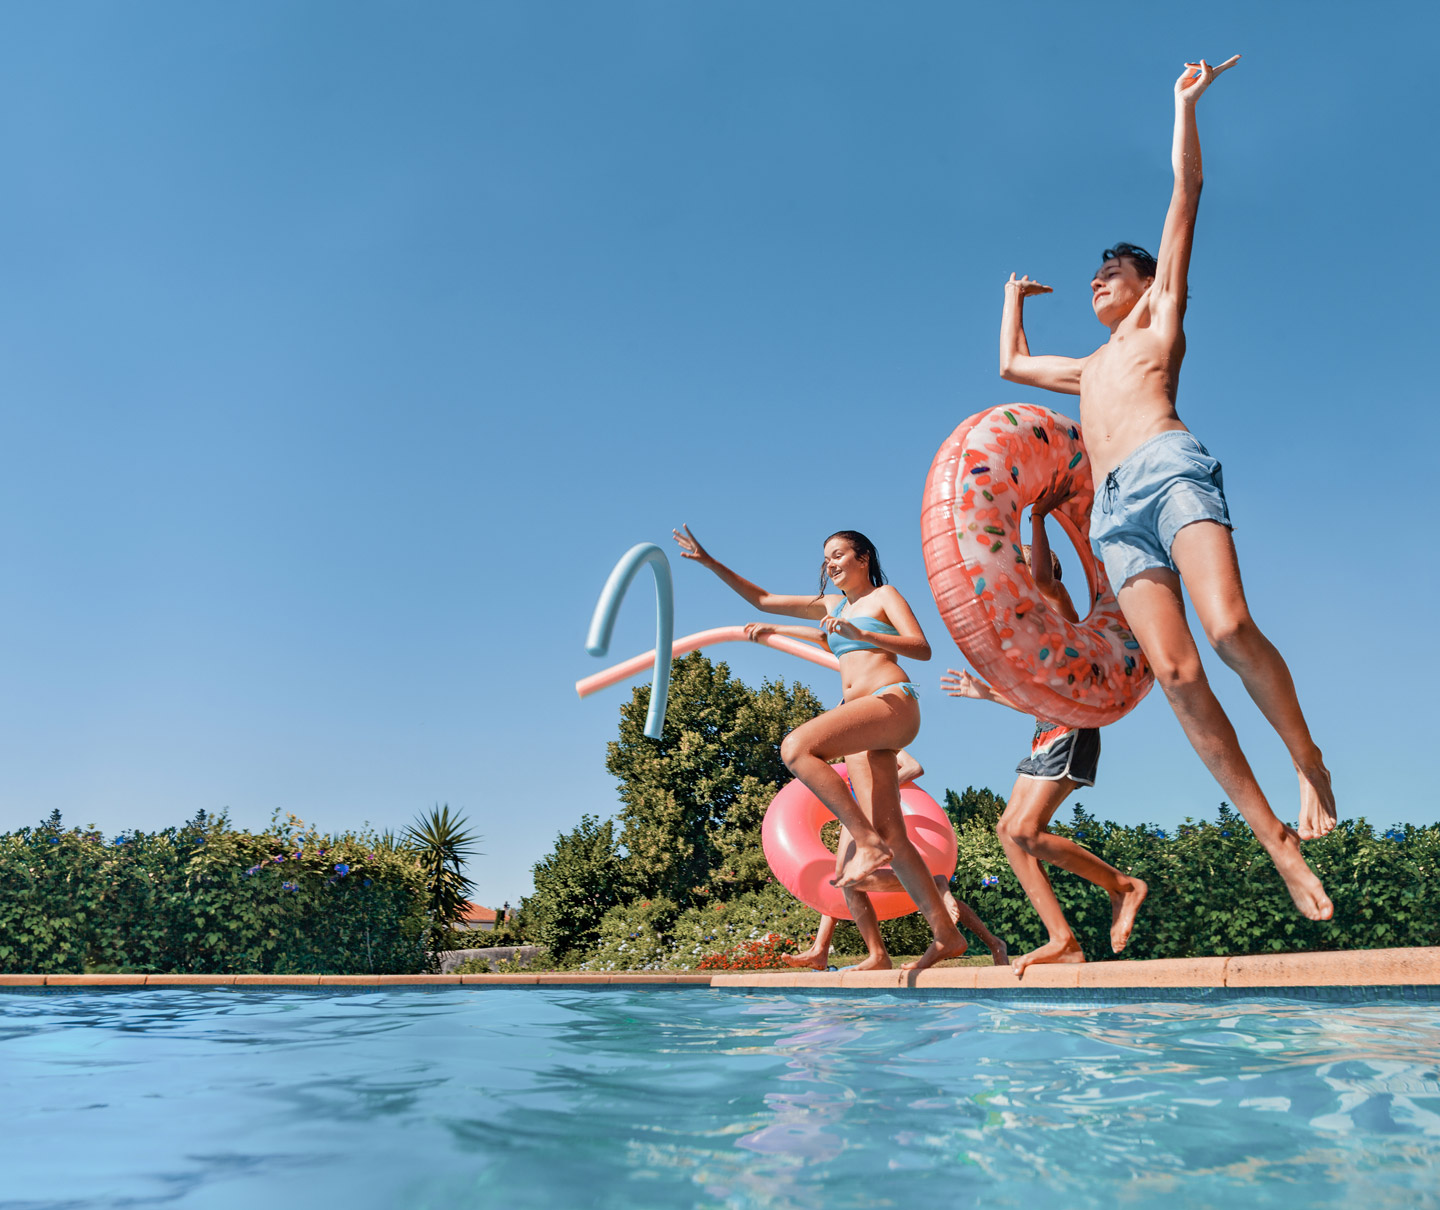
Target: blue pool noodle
x,y
603,623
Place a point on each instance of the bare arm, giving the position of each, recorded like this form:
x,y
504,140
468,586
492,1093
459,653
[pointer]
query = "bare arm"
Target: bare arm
x,y
755,631
1061,374
1042,566
1172,265
910,642
769,602
967,684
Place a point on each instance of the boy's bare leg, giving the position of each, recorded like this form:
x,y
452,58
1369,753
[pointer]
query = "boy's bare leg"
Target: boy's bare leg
x,y
1155,611
817,957
862,911
1204,553
1024,834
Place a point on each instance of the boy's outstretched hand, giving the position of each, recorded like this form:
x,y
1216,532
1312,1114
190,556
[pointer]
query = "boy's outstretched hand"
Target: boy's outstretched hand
x,y
1197,77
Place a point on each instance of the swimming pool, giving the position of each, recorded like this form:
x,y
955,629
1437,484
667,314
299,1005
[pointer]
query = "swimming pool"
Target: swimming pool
x,y
636,1097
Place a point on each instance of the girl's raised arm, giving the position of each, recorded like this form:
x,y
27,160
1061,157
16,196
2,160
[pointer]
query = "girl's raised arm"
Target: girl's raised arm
x,y
769,602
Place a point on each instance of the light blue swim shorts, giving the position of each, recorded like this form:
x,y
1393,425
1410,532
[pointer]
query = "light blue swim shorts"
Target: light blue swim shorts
x,y
1162,486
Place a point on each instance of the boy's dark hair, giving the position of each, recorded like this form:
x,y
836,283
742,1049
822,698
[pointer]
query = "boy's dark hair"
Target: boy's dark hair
x,y
1144,262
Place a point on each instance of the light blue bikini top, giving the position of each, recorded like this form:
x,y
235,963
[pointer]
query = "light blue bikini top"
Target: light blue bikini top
x,y
840,645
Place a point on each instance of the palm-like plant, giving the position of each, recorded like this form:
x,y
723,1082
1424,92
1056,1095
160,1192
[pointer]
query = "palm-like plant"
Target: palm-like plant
x,y
442,845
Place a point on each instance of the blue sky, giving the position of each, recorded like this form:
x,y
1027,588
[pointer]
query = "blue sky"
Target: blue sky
x,y
346,346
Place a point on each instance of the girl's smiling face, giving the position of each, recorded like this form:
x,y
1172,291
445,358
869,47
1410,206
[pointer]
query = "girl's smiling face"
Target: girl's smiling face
x,y
843,565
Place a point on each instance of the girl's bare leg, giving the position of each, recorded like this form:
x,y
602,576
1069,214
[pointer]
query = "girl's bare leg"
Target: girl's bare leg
x,y
1027,842
817,957
1205,555
877,725
1155,610
862,911
962,913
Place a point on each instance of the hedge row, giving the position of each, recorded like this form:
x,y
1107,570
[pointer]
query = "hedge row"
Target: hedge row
x,y
205,898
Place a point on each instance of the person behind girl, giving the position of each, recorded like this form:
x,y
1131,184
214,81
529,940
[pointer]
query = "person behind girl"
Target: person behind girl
x,y
866,625
817,957
1061,758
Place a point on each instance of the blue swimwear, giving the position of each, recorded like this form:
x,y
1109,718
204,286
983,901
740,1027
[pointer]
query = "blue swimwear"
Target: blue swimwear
x,y
840,645
1163,485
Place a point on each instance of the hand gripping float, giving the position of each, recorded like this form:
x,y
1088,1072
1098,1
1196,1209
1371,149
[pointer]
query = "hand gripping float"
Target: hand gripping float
x,y
1084,674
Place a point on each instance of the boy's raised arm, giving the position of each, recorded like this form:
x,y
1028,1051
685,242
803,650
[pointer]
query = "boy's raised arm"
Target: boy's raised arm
x,y
1172,265
1061,374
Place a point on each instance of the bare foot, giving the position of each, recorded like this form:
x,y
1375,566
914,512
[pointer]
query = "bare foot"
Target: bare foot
x,y
1123,908
883,879
999,952
952,909
1317,802
939,950
1067,950
862,862
1305,889
875,962
813,959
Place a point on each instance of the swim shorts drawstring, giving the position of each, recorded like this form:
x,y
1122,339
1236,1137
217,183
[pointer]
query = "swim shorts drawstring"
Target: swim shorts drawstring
x,y
1112,489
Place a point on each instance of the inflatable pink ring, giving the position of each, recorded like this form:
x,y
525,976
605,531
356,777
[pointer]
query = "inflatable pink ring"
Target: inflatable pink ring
x,y
1084,674
804,866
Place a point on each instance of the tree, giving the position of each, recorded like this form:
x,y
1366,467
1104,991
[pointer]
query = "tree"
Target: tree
x,y
693,801
981,807
574,887
442,846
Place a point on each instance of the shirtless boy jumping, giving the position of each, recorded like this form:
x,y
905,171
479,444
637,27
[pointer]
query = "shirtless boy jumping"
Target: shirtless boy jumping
x,y
1160,515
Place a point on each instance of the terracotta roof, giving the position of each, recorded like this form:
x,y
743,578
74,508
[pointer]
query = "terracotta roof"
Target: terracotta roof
x,y
475,914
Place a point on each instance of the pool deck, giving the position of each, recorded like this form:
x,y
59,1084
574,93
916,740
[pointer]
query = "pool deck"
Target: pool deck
x,y
1342,968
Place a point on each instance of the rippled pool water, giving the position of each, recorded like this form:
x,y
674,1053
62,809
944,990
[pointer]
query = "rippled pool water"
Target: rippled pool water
x,y
613,1097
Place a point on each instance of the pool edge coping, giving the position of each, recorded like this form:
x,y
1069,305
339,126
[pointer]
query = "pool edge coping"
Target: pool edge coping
x,y
1407,967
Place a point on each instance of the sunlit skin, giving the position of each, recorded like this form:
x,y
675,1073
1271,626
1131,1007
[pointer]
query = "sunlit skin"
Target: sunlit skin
x,y
877,958
1024,827
1127,392
867,729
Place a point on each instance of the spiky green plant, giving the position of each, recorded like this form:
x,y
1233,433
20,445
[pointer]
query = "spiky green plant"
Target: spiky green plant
x,y
442,846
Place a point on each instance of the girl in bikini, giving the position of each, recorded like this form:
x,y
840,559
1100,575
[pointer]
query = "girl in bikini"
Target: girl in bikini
x,y
866,625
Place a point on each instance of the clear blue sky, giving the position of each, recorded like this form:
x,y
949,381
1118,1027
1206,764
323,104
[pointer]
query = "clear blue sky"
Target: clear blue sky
x,y
345,346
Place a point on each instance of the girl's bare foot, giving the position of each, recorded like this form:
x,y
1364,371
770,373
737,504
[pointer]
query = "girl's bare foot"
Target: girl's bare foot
x,y
952,909
940,949
883,879
1123,908
1305,889
863,861
813,959
1317,801
875,962
1066,950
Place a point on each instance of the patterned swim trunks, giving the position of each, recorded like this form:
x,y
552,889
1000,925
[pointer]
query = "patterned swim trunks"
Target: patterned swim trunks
x,y
1058,752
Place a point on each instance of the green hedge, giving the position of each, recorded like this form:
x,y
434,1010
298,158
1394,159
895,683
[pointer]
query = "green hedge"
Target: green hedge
x,y
207,899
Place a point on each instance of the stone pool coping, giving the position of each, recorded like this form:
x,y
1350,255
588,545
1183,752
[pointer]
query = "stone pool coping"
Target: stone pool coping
x,y
1342,968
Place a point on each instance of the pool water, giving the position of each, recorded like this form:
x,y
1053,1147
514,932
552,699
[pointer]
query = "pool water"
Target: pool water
x,y
648,1097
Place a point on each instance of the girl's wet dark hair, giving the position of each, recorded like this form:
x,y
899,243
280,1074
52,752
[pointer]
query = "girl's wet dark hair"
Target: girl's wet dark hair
x,y
1143,261
864,549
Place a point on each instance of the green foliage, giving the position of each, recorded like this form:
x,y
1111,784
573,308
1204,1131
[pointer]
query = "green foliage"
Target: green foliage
x,y
1214,890
441,845
694,800
575,886
204,898
982,806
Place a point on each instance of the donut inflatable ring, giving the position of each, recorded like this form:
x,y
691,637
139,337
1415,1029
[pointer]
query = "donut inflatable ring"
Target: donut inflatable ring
x,y
804,866
1084,674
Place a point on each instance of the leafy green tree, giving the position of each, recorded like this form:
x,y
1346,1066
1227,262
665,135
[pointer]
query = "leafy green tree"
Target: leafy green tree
x,y
575,886
442,846
983,806
694,800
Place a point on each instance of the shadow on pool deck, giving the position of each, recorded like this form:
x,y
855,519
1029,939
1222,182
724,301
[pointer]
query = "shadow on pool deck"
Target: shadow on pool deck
x,y
1344,968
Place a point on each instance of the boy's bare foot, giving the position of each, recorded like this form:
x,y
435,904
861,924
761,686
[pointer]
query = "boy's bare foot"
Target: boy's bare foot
x,y
1123,908
952,909
1317,802
1064,951
863,862
812,959
939,950
883,879
875,962
1300,880
999,953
